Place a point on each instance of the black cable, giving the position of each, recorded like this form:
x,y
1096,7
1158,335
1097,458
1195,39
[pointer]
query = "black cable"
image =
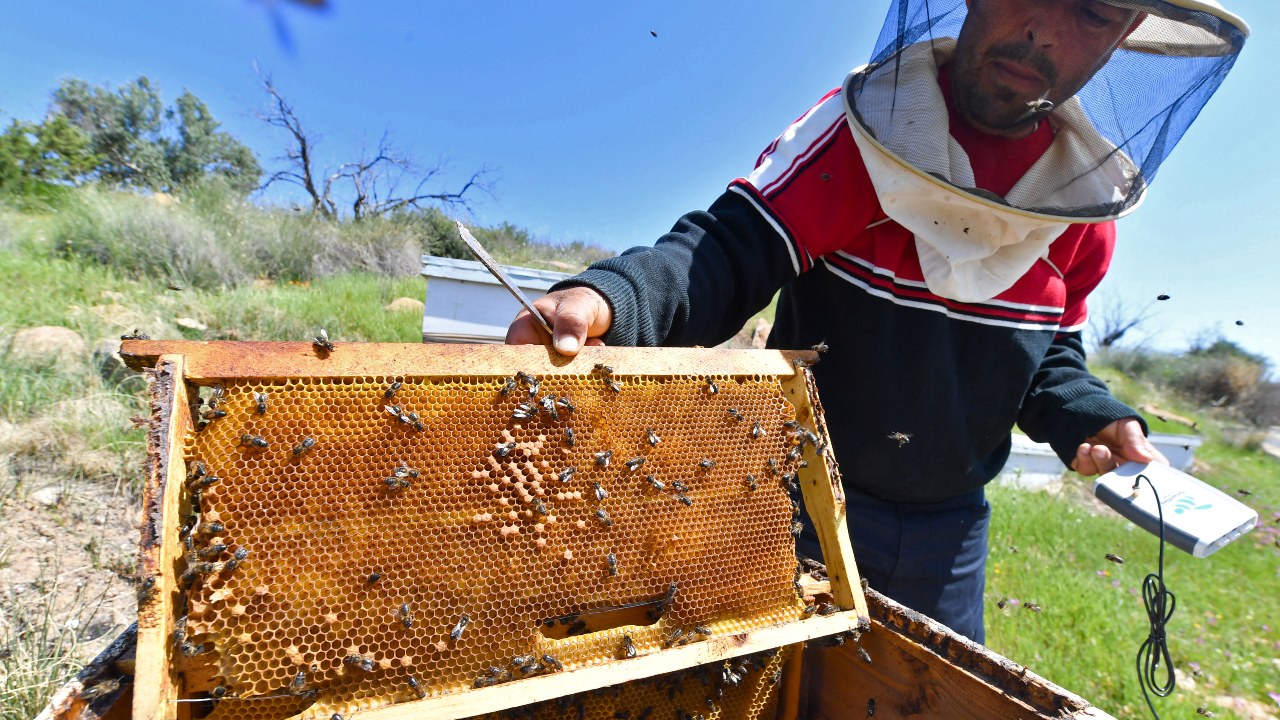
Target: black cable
x,y
1159,603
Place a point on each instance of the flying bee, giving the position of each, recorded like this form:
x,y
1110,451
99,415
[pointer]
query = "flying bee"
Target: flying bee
x,y
736,415
601,493
652,437
359,661
550,661
685,500
1244,493
416,687
612,561
820,347
797,527
524,411
1204,711
757,430
900,438
135,335
751,483
655,482
256,441
456,633
406,615
504,449
634,463
566,474
602,458
712,388
1115,559
679,486
706,463
628,647
260,402
322,343
604,517
306,444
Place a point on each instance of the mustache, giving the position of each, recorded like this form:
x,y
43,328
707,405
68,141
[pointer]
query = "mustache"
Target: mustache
x,y
1025,54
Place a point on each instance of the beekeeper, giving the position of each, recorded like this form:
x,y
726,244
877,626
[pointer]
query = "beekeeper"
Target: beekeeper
x,y
938,221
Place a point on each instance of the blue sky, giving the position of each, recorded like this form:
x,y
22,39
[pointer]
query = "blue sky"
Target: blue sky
x,y
599,131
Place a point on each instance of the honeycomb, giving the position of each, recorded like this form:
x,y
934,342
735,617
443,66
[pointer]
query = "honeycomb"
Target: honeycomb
x,y
356,542
744,688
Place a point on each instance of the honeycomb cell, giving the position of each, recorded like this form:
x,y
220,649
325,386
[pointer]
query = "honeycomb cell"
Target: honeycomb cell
x,y
489,538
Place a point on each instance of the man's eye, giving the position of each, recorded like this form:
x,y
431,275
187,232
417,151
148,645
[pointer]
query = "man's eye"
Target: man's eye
x,y
1095,19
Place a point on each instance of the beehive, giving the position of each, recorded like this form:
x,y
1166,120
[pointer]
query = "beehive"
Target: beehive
x,y
395,524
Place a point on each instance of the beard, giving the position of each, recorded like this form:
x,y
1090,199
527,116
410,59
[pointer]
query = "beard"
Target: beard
x,y
982,98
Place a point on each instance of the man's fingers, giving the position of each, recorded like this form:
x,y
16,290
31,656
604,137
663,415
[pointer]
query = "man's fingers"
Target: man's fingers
x,y
578,316
525,330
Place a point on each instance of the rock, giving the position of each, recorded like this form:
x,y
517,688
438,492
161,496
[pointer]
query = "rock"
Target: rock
x,y
190,323
47,496
106,359
406,304
48,344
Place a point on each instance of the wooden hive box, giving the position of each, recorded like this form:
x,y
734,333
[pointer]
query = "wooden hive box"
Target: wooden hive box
x,y
402,531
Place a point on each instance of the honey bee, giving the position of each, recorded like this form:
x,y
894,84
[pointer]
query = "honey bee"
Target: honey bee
x,y
799,364
200,483
540,508
634,463
808,611
871,707
751,483
456,633
790,482
602,458
1033,607
529,381
374,577
190,649
404,471
306,444
212,528
256,441
1002,602
507,387
702,630
706,463
866,657
1115,559
712,388
551,662
569,438
406,615
820,347
211,551
524,411
603,369
794,453
298,687
673,638
394,410
416,687
322,343
757,430
218,692
237,557
628,647
548,403
900,438
679,486
260,402
612,561
135,335
1204,711
504,449
601,493
735,414
146,589
566,474
797,527
613,385
397,483
577,628
685,500
604,517
360,662
213,414
653,437
393,389
773,466
655,482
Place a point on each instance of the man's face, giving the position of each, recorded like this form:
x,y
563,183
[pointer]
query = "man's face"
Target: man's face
x,y
1012,52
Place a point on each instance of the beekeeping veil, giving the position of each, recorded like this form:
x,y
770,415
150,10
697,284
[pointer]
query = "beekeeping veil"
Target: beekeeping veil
x,y
1108,139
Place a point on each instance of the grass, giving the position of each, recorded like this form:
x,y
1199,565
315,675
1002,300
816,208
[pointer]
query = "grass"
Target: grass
x,y
1051,550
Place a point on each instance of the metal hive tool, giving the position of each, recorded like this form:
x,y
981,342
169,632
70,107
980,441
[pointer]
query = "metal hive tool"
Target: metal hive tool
x,y
459,530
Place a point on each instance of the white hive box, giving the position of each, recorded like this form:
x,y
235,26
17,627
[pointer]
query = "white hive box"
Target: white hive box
x,y
464,303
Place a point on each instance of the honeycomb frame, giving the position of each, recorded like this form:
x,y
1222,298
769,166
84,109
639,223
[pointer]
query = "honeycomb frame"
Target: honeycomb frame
x,y
181,369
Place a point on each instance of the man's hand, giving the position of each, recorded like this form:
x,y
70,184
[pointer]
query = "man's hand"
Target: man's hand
x,y
577,315
1119,442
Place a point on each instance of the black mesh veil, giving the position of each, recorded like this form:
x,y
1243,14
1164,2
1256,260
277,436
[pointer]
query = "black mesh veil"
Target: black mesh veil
x,y
1109,138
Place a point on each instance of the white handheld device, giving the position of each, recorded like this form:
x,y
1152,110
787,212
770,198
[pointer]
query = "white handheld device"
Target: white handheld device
x,y
1198,518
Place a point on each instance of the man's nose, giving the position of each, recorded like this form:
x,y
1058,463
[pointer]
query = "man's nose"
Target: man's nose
x,y
1042,29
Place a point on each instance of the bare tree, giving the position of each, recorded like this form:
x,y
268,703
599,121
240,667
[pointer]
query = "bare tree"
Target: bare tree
x,y
1115,317
374,184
